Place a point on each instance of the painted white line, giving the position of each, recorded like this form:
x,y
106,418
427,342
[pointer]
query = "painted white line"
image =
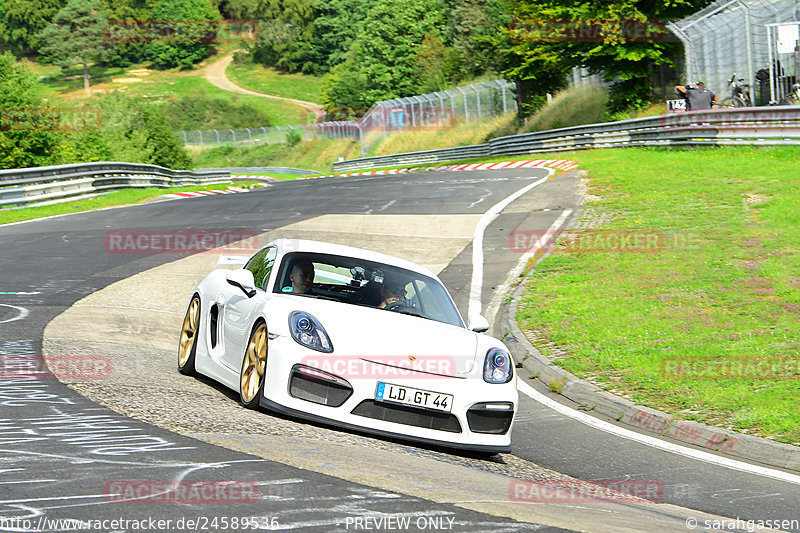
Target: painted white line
x,y
647,440
508,285
17,293
540,243
476,284
21,313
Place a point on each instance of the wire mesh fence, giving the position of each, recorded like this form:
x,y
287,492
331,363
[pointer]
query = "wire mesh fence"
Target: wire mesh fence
x,y
732,39
426,111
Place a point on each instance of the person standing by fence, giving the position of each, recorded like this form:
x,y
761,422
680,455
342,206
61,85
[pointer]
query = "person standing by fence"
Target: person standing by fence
x,y
697,97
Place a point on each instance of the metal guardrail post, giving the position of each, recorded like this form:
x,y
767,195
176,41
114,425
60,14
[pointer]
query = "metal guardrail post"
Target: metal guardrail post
x,y
233,134
219,143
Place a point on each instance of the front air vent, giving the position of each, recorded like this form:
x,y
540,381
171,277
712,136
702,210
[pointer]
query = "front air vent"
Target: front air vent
x,y
491,417
313,385
213,324
410,416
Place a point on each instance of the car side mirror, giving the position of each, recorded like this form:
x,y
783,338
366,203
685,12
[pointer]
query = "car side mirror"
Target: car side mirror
x,y
243,279
478,323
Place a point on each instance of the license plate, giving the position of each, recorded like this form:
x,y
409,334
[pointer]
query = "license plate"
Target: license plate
x,y
386,392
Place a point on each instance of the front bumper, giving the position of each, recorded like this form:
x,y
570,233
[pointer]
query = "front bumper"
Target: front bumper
x,y
481,417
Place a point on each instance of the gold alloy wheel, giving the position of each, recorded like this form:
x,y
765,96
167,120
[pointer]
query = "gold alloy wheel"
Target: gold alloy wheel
x,y
253,365
189,332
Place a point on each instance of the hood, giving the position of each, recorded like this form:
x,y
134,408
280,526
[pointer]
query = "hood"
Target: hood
x,y
388,338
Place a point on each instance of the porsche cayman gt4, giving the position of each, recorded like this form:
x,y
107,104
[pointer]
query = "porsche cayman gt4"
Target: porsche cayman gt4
x,y
352,338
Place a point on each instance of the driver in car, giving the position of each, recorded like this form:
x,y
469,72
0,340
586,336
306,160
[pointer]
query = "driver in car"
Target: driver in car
x,y
302,276
391,292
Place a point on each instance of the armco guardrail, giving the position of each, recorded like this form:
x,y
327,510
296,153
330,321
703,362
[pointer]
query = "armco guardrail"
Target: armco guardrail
x,y
260,170
39,185
718,127
414,158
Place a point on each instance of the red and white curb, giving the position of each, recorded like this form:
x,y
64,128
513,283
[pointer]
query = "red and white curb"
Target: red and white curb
x,y
563,164
196,194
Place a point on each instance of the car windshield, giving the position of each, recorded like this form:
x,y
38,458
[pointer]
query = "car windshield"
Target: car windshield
x,y
359,282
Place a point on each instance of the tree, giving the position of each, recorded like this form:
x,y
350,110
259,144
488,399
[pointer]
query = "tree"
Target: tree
x,y
22,20
285,34
181,15
621,40
433,62
343,90
472,28
336,26
76,36
22,143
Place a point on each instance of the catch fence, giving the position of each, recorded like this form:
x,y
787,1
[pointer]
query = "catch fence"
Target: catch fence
x,y
425,111
743,38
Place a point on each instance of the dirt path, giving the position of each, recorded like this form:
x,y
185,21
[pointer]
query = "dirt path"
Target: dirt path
x,y
215,74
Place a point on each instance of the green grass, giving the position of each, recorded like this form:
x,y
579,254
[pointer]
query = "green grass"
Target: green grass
x,y
66,89
268,80
725,285
572,107
116,198
310,155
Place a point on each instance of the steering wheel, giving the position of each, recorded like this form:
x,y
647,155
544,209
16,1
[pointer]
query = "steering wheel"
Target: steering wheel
x,y
395,305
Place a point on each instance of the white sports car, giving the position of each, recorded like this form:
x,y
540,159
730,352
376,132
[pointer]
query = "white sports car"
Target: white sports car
x,y
352,338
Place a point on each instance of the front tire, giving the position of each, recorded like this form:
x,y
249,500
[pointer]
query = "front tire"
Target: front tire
x,y
187,346
254,364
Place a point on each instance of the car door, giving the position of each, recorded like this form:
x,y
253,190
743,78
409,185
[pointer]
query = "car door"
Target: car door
x,y
240,311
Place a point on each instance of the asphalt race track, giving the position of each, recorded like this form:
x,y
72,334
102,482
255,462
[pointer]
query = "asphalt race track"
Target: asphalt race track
x,y
65,292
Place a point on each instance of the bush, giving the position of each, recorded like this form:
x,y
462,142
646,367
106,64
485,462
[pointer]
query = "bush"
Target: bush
x,y
201,111
131,131
21,144
629,95
294,137
184,14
